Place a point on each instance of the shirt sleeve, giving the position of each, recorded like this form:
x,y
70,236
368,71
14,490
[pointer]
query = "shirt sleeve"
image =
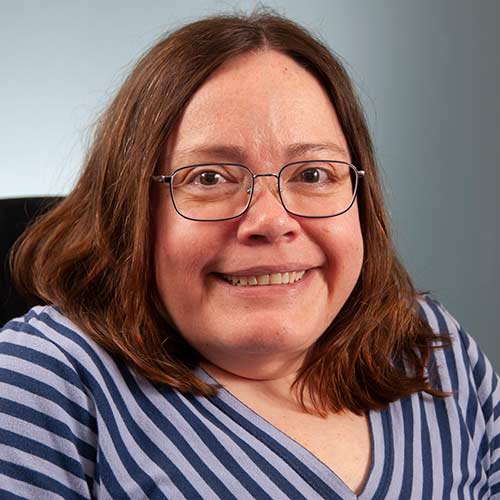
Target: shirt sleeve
x,y
488,393
47,422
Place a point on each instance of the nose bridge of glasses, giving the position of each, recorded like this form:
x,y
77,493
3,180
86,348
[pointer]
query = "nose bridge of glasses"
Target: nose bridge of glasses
x,y
259,191
276,176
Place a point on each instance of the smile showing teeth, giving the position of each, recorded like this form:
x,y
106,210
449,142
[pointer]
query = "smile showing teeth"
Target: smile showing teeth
x,y
265,279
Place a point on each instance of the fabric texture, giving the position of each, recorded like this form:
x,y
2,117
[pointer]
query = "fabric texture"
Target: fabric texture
x,y
76,423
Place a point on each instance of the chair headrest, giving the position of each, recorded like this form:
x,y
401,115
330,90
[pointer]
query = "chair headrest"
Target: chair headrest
x,y
15,215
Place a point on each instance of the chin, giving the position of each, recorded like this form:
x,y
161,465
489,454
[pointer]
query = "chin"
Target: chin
x,y
262,341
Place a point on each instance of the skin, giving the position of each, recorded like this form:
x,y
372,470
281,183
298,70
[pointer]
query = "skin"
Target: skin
x,y
261,102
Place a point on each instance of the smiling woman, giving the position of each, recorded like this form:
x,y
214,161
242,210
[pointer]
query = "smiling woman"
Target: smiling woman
x,y
283,104
226,315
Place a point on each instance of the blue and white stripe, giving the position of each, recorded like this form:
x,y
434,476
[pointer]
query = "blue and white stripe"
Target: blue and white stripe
x,y
77,423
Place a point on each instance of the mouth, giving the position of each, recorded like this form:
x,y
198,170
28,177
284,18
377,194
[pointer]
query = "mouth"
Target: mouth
x,y
285,278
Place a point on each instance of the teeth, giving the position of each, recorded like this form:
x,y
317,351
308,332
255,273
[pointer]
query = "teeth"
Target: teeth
x,y
265,279
275,279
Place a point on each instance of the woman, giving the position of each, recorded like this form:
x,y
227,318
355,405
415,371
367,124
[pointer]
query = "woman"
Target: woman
x,y
229,318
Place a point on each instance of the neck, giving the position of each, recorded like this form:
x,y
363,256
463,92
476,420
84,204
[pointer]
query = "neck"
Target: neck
x,y
275,391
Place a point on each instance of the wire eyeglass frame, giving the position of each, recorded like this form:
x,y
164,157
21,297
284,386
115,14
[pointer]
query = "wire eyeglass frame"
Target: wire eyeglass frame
x,y
167,179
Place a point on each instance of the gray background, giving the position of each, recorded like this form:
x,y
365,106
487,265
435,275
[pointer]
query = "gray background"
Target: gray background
x,y
427,71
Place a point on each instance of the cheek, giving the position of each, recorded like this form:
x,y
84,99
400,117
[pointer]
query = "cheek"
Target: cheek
x,y
343,246
178,253
174,254
184,251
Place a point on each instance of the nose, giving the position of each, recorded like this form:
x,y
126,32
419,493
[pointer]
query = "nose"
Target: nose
x,y
266,220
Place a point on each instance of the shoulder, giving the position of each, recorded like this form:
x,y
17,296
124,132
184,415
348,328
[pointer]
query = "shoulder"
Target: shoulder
x,y
463,367
44,351
48,424
462,345
440,320
48,330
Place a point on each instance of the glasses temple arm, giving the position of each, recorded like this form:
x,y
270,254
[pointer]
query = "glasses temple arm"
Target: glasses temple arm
x,y
162,179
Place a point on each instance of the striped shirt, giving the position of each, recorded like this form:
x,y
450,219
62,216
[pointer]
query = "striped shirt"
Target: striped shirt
x,y
75,423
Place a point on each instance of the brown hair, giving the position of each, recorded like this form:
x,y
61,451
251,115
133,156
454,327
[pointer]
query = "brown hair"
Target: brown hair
x,y
92,254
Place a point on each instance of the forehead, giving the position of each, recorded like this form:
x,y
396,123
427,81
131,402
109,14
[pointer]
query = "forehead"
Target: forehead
x,y
259,103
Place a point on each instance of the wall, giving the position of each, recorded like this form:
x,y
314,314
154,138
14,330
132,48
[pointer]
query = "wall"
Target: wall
x,y
428,73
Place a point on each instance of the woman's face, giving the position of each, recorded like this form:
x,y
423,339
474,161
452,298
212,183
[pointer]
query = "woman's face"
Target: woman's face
x,y
263,110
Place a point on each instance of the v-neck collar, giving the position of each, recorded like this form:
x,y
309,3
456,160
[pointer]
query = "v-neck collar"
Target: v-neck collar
x,y
381,447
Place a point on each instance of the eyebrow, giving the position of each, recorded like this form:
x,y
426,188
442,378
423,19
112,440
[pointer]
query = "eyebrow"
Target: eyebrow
x,y
313,147
237,153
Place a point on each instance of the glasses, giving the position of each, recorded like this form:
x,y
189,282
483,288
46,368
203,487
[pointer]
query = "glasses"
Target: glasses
x,y
223,191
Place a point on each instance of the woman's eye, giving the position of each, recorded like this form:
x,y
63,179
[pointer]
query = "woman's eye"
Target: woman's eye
x,y
312,175
208,178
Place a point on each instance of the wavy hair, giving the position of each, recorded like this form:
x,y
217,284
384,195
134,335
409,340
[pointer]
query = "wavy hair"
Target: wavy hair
x,y
92,254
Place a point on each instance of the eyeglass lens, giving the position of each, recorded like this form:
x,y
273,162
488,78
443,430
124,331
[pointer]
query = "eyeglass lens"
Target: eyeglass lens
x,y
310,189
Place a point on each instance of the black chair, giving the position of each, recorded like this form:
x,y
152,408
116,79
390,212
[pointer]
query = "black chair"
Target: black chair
x,y
15,215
